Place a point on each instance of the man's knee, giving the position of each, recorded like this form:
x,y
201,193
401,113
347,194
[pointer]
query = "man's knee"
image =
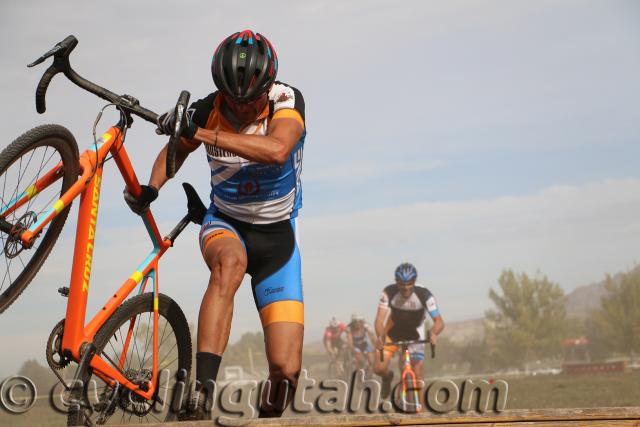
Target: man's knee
x,y
227,273
380,368
233,263
286,370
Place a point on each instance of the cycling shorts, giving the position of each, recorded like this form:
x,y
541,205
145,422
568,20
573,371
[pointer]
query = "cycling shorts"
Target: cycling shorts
x,y
363,347
273,262
416,351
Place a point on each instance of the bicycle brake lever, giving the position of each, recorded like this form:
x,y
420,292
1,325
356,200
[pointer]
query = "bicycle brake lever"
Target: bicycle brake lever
x,y
57,48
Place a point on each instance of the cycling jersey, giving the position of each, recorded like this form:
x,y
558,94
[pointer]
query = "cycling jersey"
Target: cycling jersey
x,y
248,191
361,341
408,314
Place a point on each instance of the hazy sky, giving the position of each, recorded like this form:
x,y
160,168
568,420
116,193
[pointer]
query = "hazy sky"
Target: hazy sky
x,y
463,136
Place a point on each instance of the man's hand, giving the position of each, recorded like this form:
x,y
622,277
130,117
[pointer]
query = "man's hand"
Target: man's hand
x,y
141,204
380,343
433,338
167,124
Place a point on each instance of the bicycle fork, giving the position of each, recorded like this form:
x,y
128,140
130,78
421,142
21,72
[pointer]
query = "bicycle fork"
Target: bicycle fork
x,y
407,372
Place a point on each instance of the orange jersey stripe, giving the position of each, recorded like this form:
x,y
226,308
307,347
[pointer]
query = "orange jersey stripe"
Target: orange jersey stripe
x,y
288,113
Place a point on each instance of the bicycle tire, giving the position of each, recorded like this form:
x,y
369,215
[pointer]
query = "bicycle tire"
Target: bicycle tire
x,y
138,305
64,144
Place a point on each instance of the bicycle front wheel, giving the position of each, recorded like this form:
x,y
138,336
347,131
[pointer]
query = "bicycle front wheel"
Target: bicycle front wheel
x,y
132,326
22,163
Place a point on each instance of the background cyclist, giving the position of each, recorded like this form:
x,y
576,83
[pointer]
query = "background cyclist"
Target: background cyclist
x,y
400,317
334,340
361,337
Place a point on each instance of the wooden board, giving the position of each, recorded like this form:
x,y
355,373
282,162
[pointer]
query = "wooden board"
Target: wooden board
x,y
588,417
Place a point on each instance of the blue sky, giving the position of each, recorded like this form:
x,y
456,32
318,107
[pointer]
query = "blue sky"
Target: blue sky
x,y
465,136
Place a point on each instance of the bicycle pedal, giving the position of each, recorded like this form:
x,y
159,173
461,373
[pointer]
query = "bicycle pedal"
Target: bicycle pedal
x,y
64,291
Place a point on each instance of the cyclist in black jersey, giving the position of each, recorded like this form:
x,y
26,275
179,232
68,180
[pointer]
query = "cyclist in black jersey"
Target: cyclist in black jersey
x,y
400,317
253,129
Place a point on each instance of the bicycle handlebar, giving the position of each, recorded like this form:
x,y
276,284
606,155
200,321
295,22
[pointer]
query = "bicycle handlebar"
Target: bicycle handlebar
x,y
409,342
60,53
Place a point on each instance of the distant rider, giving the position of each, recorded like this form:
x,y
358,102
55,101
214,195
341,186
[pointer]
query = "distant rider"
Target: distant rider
x,y
400,317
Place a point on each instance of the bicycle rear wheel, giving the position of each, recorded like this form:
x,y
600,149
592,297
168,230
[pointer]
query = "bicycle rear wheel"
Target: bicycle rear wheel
x,y
102,404
22,163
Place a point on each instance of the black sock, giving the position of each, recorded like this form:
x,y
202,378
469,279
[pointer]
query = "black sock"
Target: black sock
x,y
207,365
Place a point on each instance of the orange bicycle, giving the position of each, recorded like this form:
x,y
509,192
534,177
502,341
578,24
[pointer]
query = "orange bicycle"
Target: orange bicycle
x,y
127,344
409,391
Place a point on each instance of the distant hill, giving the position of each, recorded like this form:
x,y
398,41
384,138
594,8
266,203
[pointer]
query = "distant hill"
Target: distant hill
x,y
584,299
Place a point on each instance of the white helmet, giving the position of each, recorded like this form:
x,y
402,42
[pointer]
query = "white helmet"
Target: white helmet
x,y
357,317
334,322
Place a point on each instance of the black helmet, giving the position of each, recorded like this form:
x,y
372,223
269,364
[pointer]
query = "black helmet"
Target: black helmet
x,y
244,66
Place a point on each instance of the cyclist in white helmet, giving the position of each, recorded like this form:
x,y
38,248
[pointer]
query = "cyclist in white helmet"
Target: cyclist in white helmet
x,y
361,336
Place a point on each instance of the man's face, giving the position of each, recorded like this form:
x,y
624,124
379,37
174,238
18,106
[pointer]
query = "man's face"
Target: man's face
x,y
247,112
406,288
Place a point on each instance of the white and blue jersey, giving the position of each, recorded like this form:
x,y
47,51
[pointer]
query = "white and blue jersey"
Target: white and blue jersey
x,y
248,191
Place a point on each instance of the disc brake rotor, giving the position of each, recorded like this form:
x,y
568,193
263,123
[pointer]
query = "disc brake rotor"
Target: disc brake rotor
x,y
14,244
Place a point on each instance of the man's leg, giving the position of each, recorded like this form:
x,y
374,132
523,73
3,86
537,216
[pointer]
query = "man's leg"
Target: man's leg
x,y
283,345
359,357
381,368
226,258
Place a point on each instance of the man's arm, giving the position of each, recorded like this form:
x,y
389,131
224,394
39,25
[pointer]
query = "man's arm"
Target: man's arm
x,y
438,326
371,333
350,339
381,332
328,346
434,312
273,148
159,171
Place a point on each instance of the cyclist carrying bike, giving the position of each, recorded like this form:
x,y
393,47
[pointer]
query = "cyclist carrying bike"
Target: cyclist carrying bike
x,y
361,336
253,130
401,317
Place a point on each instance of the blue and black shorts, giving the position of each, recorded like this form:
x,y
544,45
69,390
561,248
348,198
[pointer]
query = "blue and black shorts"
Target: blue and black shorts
x,y
273,262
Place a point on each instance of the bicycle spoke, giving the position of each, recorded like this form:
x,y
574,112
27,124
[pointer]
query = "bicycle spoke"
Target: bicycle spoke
x,y
21,175
35,179
146,342
167,355
21,261
135,343
6,260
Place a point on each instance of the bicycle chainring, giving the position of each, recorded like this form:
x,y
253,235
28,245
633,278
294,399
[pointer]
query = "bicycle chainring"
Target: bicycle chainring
x,y
55,358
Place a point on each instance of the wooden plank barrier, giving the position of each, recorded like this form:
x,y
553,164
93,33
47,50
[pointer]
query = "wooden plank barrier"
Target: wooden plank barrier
x,y
587,417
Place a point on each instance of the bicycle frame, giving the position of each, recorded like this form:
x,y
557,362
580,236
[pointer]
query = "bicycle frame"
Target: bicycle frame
x,y
88,186
407,371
